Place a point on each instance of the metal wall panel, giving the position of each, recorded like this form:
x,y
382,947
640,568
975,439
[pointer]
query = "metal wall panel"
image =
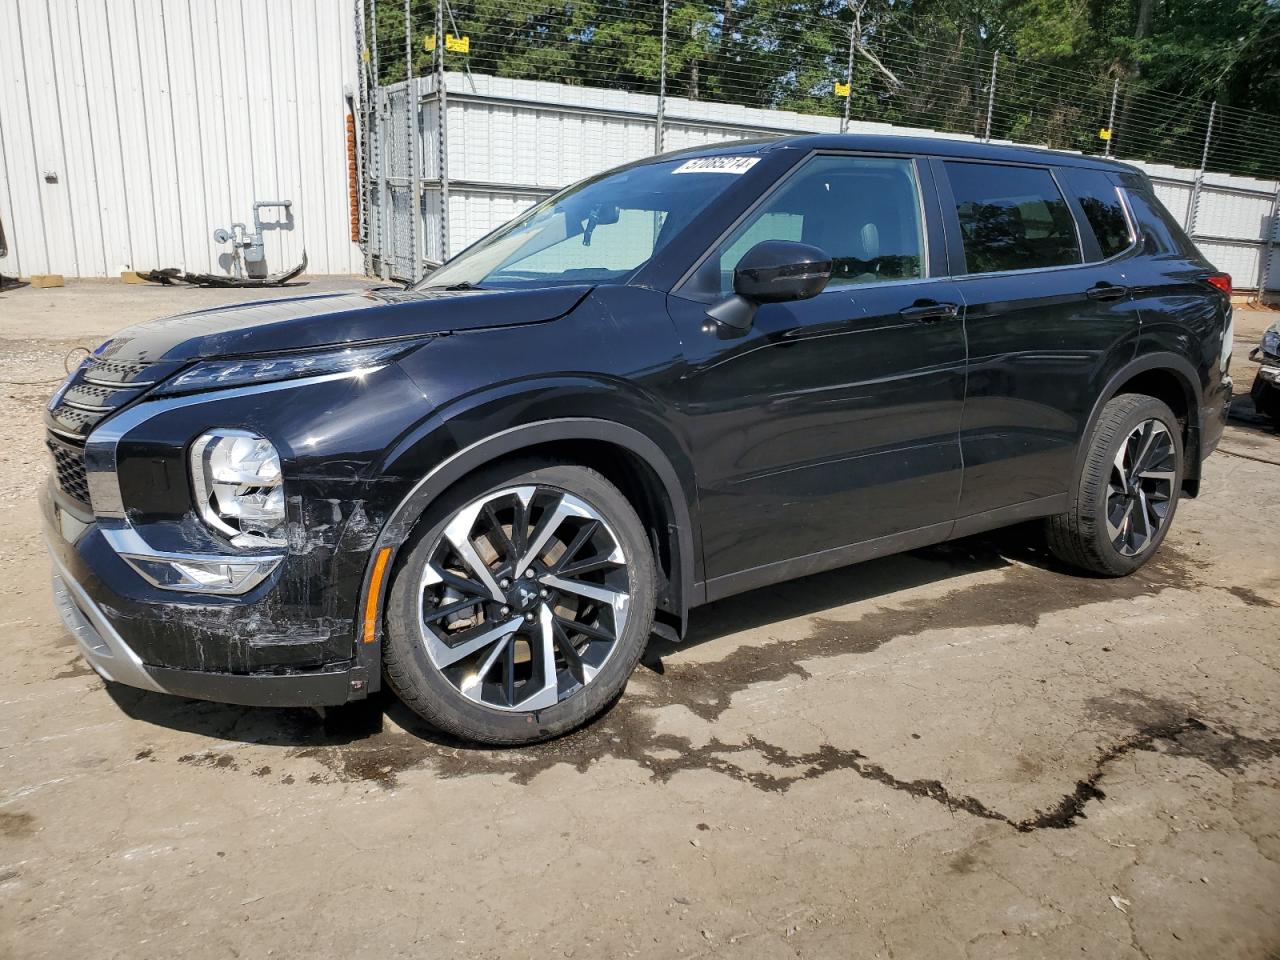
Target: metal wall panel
x,y
130,131
1229,213
1176,197
1238,260
513,141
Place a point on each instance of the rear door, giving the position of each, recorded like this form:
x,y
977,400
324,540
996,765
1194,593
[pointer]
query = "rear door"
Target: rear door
x,y
832,421
1049,318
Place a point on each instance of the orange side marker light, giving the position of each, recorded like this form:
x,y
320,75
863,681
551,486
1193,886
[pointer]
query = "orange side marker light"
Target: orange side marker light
x,y
375,591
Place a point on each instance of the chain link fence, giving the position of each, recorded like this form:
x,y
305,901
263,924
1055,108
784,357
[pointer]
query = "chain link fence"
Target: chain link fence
x,y
776,58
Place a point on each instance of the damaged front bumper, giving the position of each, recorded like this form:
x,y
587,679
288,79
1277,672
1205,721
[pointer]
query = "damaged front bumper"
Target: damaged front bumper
x,y
116,633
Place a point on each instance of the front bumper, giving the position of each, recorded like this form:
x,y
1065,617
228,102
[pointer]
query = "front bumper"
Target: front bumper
x,y
86,605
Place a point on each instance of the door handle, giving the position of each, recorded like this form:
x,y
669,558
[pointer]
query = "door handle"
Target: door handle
x,y
929,311
1106,292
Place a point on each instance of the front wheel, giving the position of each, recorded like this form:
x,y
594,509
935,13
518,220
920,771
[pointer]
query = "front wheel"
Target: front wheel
x,y
1127,491
523,604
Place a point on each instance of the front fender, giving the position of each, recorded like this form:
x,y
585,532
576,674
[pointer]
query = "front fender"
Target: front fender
x,y
598,375
488,449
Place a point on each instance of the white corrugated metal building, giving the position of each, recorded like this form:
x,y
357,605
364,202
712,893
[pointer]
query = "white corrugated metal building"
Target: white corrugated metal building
x,y
130,131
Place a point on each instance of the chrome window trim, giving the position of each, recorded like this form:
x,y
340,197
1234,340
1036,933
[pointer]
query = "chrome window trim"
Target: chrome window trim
x,y
1135,241
1135,238
1047,168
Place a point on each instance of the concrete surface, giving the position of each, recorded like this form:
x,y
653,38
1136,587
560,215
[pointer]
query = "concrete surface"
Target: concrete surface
x,y
959,752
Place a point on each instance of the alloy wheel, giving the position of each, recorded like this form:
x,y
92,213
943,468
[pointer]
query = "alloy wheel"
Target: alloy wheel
x,y
523,598
1140,488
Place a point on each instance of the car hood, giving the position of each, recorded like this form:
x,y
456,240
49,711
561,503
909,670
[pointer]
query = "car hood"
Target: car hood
x,y
333,319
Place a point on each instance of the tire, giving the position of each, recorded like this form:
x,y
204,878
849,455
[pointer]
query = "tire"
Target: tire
x,y
1093,534
483,671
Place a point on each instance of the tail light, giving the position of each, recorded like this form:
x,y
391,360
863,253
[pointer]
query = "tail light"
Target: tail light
x,y
1222,281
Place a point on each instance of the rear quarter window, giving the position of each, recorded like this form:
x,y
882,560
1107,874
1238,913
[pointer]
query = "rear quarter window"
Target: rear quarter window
x,y
1011,218
1161,234
1098,199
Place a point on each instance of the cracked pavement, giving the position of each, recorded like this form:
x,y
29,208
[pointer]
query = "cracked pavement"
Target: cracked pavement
x,y
959,752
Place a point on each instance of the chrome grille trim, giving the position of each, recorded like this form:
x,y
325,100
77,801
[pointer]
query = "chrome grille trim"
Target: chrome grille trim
x,y
87,408
80,404
114,372
84,401
66,434
117,384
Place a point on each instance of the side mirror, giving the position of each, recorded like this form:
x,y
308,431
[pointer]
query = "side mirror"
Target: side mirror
x,y
773,271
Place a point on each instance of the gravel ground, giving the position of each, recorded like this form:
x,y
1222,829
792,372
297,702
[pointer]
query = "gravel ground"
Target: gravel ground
x,y
959,752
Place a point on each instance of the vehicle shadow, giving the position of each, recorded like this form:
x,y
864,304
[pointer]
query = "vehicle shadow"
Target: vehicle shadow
x,y
884,577
1244,414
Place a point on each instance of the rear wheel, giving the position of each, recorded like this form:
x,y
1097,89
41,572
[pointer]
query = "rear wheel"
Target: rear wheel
x,y
1127,491
523,605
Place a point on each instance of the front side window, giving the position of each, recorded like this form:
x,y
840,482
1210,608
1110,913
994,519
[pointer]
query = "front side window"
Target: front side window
x,y
1100,203
863,212
601,231
1011,218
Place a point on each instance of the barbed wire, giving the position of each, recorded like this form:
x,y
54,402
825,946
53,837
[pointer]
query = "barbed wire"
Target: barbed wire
x,y
936,79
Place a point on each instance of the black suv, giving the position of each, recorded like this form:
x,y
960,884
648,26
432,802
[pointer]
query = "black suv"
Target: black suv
x,y
695,375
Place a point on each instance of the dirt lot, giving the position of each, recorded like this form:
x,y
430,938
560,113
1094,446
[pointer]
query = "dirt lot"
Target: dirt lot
x,y
960,752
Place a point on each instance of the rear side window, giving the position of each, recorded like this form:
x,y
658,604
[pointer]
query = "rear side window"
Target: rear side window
x,y
1011,218
1100,203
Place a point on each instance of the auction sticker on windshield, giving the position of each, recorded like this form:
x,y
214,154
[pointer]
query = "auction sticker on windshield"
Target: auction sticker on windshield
x,y
717,165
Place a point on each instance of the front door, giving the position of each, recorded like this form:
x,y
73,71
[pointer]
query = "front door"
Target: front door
x,y
832,421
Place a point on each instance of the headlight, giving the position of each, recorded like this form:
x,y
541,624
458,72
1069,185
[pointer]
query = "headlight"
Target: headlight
x,y
236,478
215,374
1271,342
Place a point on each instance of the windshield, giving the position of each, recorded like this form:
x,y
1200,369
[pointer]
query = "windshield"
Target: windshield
x,y
601,231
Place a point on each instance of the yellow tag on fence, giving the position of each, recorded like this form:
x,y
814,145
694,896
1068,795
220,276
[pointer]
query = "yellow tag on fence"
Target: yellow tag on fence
x,y
842,89
452,44
1104,133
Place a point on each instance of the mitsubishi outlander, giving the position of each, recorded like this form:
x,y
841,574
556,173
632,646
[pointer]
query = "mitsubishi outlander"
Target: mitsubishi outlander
x,y
695,375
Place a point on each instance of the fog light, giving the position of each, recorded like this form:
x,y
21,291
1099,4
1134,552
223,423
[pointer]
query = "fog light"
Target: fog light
x,y
204,576
236,478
